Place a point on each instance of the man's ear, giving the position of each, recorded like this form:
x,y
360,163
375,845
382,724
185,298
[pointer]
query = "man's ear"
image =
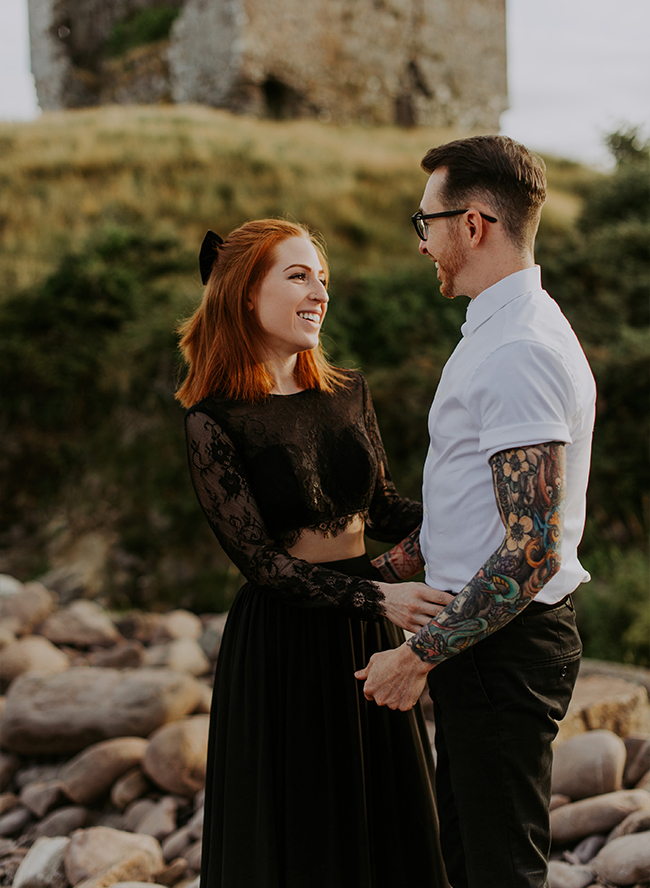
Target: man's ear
x,y
474,226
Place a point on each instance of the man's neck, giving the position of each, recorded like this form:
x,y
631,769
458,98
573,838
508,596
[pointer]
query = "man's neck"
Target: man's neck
x,y
492,272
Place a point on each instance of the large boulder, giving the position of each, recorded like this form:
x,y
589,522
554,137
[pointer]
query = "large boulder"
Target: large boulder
x,y
8,801
7,634
9,586
9,764
14,821
638,821
176,843
608,703
91,774
124,655
130,786
30,654
61,822
142,626
638,763
41,796
98,849
210,640
181,655
67,712
179,624
160,821
600,814
564,875
27,607
624,861
136,812
81,624
176,756
42,866
588,765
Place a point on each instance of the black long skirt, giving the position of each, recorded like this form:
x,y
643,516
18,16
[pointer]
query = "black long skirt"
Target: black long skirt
x,y
309,784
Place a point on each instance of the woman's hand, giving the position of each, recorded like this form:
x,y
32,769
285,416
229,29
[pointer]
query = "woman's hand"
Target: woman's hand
x,y
412,605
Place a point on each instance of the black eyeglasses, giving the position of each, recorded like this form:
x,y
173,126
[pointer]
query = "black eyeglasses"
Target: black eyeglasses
x,y
419,220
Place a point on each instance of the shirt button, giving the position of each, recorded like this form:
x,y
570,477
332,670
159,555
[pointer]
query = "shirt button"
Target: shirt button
x,y
426,511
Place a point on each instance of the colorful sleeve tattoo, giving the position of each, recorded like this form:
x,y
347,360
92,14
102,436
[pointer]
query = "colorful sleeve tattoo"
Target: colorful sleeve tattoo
x,y
402,561
529,487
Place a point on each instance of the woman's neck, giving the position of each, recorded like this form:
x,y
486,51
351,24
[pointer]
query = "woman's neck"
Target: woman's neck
x,y
283,373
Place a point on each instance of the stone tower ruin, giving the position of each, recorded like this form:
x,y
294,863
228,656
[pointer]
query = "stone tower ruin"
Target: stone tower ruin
x,y
410,62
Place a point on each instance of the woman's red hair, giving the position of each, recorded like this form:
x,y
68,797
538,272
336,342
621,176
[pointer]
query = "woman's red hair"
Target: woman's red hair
x,y
222,342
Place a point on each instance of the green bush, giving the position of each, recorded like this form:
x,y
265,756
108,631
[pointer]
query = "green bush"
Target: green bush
x,y
613,609
600,276
145,26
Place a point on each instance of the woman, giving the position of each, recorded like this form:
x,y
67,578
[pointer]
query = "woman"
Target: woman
x,y
307,784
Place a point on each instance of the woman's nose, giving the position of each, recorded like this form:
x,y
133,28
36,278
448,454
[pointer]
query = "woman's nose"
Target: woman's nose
x,y
320,293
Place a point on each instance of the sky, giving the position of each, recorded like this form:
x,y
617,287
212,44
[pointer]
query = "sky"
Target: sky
x,y
577,69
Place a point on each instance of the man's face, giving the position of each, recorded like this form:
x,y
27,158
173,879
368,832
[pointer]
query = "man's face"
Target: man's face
x,y
444,244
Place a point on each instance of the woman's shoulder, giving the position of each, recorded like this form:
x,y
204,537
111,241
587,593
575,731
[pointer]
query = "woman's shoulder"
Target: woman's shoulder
x,y
215,406
352,379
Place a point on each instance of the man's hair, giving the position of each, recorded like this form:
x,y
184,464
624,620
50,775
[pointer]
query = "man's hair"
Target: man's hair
x,y
223,341
499,171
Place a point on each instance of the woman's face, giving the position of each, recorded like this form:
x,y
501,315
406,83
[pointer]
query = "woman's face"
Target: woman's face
x,y
292,299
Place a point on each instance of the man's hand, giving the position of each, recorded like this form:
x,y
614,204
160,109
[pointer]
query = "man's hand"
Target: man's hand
x,y
412,605
394,678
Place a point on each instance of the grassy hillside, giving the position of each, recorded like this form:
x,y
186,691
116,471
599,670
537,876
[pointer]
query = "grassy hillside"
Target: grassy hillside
x,y
181,169
101,215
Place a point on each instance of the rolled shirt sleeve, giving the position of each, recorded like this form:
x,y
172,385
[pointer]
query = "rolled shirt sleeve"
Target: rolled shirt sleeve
x,y
522,394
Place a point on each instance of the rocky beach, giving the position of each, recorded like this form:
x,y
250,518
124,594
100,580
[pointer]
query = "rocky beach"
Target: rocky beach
x,y
103,741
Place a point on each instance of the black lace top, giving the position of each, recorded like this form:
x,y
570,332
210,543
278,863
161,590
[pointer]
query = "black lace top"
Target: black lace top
x,y
267,470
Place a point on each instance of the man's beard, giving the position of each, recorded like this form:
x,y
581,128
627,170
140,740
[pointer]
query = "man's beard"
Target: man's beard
x,y
452,264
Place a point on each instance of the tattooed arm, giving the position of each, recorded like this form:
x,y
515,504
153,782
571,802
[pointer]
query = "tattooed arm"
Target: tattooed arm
x,y
529,486
402,561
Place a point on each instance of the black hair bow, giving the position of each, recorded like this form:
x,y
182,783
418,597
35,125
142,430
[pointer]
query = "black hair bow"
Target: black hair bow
x,y
208,254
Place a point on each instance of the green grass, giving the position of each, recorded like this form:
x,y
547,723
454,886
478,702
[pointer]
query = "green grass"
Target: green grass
x,y
179,170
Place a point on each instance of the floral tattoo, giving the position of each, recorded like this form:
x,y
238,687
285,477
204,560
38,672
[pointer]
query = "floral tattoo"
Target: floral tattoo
x,y
529,484
402,561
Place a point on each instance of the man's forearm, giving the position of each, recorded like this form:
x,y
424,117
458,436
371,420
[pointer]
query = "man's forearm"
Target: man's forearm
x,y
402,561
529,488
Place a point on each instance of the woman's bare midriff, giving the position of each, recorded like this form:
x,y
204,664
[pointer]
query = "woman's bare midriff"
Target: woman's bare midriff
x,y
315,546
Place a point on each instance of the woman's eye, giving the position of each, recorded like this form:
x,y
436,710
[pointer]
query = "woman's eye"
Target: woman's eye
x,y
300,275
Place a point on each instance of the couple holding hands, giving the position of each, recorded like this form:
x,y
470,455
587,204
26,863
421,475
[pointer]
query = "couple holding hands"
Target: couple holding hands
x,y
320,772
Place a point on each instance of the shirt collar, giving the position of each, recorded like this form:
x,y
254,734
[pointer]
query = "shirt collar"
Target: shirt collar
x,y
489,301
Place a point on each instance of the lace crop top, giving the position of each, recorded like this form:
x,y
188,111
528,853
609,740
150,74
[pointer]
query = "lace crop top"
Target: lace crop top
x,y
265,471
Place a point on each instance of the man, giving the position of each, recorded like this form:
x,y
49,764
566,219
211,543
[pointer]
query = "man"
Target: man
x,y
504,491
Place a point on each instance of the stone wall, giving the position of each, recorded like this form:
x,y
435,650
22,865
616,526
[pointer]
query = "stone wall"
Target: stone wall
x,y
412,62
68,41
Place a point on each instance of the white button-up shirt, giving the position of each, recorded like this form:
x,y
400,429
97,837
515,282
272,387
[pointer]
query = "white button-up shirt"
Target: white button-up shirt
x,y
518,377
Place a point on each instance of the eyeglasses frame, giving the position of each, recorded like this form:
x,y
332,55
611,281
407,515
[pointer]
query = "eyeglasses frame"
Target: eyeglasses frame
x,y
424,217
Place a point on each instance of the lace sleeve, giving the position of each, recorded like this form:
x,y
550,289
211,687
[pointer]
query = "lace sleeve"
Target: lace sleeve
x,y
222,488
391,517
